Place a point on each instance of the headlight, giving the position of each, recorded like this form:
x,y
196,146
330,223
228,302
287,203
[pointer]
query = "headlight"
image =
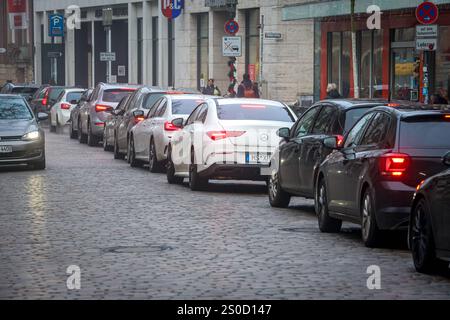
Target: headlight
x,y
33,135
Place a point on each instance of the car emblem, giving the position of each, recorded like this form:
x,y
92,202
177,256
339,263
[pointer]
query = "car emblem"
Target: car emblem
x,y
264,137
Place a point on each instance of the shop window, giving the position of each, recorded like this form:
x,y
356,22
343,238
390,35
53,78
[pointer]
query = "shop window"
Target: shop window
x,y
442,82
202,49
139,48
252,45
340,60
406,72
370,62
405,35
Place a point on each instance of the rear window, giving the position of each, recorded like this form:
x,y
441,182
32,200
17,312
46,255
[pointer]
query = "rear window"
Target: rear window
x,y
352,116
254,112
14,109
24,91
116,95
425,134
74,96
185,106
54,93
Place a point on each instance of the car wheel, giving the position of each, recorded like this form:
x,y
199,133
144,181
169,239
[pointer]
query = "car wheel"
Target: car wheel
x,y
73,133
52,127
117,154
370,233
327,224
132,154
82,138
421,239
153,163
171,178
277,196
196,183
106,146
92,140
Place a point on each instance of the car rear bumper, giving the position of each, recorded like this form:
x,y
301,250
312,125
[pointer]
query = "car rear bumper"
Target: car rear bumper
x,y
252,172
393,200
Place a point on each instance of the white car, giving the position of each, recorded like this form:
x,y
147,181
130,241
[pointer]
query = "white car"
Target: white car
x,y
150,138
61,109
227,139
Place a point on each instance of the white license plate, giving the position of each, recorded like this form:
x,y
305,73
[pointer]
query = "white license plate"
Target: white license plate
x,y
258,157
6,149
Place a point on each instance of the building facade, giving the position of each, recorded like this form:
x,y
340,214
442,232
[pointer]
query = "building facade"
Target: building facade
x,y
16,42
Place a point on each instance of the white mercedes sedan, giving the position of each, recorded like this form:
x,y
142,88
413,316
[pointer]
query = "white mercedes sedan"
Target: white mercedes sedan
x,y
226,139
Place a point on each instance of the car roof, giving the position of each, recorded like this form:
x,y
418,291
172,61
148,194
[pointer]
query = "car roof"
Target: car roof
x,y
227,101
23,85
108,86
354,103
186,96
11,96
404,112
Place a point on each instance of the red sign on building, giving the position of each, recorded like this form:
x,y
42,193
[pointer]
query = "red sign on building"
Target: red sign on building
x,y
17,11
17,6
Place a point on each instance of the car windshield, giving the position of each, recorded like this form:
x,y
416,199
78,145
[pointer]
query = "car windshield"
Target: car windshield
x,y
425,134
116,95
71,96
14,109
352,116
185,106
261,112
150,100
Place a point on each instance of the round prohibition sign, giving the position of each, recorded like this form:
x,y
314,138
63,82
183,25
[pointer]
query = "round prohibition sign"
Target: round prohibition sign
x,y
427,13
231,27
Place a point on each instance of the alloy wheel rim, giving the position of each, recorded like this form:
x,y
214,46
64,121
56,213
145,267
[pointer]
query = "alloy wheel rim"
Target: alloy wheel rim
x,y
321,201
273,186
152,155
366,223
419,235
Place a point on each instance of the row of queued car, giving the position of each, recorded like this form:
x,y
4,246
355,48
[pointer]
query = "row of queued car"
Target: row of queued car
x,y
378,164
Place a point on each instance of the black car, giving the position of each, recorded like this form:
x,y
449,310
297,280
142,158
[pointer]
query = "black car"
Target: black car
x,y
295,166
37,102
429,229
372,178
25,90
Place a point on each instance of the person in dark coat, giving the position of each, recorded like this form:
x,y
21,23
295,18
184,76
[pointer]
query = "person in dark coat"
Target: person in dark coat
x,y
332,92
247,88
211,89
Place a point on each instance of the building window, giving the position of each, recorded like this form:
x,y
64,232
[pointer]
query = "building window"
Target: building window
x,y
370,54
442,81
340,45
171,49
155,59
202,49
252,42
140,48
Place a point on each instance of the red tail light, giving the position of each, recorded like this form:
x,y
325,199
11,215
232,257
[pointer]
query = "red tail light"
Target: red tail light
x,y
339,140
447,117
220,135
65,106
102,108
394,164
45,100
168,126
139,119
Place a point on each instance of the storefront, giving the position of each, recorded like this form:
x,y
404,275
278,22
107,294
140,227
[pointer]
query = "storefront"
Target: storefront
x,y
389,65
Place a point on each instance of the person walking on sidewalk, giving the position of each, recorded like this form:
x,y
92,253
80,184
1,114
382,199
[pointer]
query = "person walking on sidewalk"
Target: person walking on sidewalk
x,y
211,89
247,89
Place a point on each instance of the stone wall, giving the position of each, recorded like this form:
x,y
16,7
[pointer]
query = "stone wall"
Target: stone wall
x,y
18,73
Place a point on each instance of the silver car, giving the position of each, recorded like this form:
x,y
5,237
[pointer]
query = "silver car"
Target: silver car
x,y
94,113
22,141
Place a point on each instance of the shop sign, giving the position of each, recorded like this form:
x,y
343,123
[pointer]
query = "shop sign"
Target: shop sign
x,y
17,12
172,9
426,44
232,46
219,3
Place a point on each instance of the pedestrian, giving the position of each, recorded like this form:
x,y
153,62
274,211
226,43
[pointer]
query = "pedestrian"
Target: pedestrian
x,y
247,88
211,89
438,99
332,92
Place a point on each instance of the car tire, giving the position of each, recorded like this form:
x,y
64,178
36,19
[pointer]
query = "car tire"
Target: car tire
x,y
196,183
421,239
82,138
40,164
371,234
278,198
92,140
327,224
73,133
153,163
106,146
131,156
52,127
171,177
117,154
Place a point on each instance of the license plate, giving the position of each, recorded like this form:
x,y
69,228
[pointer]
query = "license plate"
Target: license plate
x,y
258,157
6,149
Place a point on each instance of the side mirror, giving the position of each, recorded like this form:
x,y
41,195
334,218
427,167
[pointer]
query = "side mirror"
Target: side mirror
x,y
446,159
331,142
178,123
284,133
138,113
42,116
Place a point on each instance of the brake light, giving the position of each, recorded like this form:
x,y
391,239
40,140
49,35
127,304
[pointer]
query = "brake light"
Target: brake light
x,y
65,106
220,135
447,116
139,119
99,124
393,105
102,108
45,100
253,106
169,126
394,164
339,140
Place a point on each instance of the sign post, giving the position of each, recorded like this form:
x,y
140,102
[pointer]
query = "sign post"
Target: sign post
x,y
232,46
107,23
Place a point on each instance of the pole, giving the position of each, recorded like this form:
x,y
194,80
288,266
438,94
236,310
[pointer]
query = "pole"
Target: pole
x,y
109,49
261,51
354,58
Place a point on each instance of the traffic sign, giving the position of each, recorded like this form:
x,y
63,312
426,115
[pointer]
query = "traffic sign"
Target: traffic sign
x,y
172,8
427,13
232,46
107,56
54,54
231,27
56,25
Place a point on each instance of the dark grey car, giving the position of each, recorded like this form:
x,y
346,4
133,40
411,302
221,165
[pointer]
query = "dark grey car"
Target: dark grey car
x,y
74,114
22,140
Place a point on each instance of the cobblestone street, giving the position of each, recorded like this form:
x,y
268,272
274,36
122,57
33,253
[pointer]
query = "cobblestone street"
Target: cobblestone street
x,y
136,237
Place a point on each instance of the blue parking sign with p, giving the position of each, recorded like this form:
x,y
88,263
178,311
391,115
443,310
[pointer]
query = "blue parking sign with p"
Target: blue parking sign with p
x,y
56,25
